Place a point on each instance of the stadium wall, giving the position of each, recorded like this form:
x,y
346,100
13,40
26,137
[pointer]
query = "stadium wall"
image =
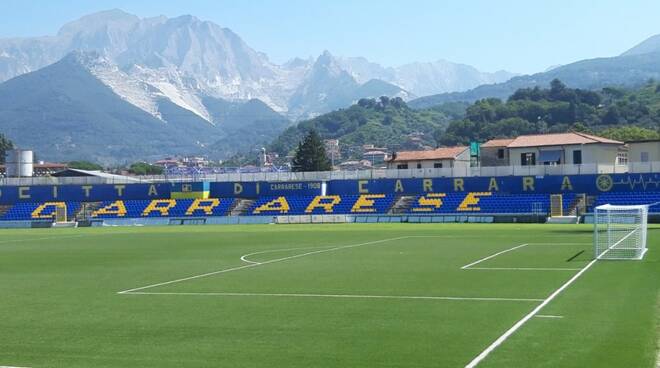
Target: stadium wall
x,y
589,184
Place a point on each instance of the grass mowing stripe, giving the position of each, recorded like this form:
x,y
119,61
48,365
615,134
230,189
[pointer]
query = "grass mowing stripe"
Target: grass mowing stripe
x,y
524,320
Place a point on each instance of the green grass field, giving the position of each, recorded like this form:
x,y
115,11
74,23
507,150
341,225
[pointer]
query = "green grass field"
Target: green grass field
x,y
373,295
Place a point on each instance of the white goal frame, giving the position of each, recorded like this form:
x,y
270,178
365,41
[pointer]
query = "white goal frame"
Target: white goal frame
x,y
620,232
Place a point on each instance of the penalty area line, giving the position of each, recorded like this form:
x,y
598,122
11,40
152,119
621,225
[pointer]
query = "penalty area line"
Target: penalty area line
x,y
245,257
338,296
524,269
547,316
493,256
250,265
527,317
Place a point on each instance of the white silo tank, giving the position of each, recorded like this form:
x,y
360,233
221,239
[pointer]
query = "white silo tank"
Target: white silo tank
x,y
19,163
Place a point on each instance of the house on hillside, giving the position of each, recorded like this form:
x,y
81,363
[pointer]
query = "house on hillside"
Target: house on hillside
x,y
571,148
644,150
439,158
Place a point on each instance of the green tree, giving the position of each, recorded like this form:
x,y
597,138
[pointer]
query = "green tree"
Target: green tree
x,y
5,145
629,133
143,168
310,154
84,165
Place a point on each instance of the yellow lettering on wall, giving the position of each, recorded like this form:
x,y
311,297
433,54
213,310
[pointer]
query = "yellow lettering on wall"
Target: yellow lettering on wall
x,y
120,190
276,205
365,203
459,185
528,183
429,202
493,186
471,201
362,186
327,203
566,184
86,189
159,205
238,188
24,192
42,213
398,186
206,205
428,185
152,190
116,208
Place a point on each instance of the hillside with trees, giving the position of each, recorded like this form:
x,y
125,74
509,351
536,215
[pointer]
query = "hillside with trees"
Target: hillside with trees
x,y
384,122
611,112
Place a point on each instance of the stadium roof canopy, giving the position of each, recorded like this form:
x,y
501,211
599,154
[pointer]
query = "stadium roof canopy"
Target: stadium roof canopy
x,y
69,173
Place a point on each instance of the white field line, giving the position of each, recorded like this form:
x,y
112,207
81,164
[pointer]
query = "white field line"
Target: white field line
x,y
524,269
345,296
244,257
526,318
547,316
260,264
9,366
493,256
588,244
42,238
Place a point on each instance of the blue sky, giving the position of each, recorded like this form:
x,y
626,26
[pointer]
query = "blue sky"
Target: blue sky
x,y
520,36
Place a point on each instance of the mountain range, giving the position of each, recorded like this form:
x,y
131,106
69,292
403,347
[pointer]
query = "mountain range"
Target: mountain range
x,y
630,69
148,87
199,58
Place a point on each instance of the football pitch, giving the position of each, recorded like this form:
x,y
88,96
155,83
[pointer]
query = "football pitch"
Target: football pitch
x,y
372,295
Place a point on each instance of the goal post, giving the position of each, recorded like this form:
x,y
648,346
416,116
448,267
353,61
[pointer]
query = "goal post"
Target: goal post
x,y
620,232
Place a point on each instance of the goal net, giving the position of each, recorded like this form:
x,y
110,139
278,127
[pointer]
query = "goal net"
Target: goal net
x,y
620,231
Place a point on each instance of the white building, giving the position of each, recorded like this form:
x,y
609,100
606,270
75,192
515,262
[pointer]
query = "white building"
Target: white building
x,y
572,148
644,151
444,157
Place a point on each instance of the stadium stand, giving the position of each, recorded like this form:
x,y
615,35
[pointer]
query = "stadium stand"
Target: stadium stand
x,y
163,208
481,202
622,198
317,205
38,211
506,198
364,204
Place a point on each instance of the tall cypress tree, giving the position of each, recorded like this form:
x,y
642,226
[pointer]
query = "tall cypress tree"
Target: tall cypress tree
x,y
310,154
5,145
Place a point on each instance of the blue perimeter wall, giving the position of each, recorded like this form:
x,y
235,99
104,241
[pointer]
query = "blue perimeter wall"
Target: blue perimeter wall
x,y
590,184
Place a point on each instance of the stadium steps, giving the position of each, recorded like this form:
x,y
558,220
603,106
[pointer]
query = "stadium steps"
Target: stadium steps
x,y
86,209
591,201
401,205
578,205
4,210
240,207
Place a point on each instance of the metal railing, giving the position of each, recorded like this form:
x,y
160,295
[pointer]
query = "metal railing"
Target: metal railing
x,y
538,170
